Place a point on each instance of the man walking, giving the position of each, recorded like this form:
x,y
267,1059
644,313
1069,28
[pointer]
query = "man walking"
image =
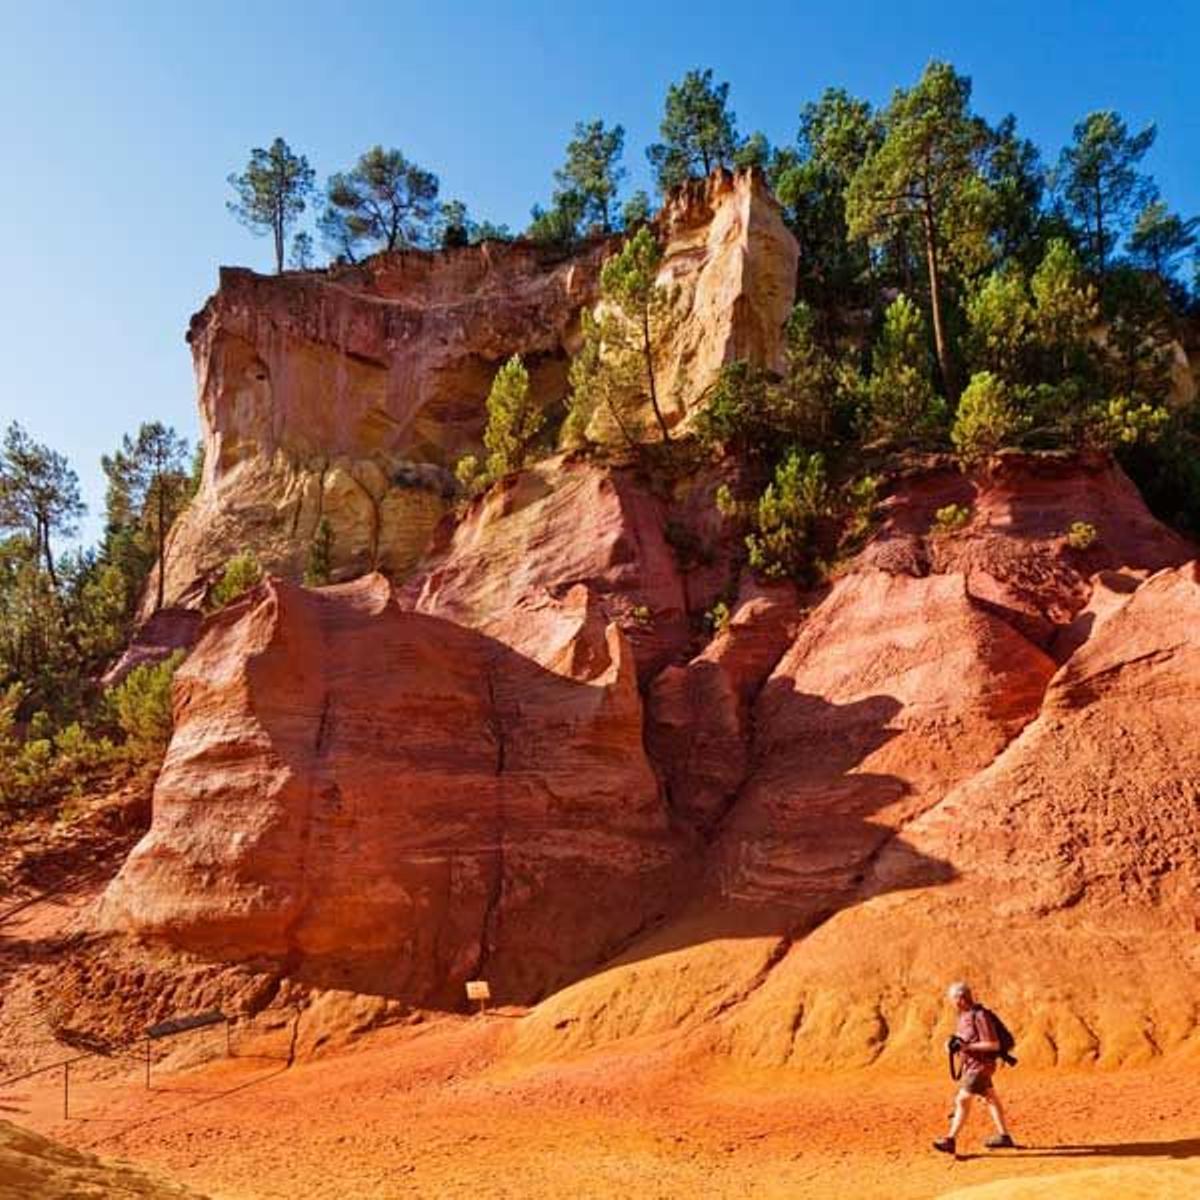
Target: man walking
x,y
976,1040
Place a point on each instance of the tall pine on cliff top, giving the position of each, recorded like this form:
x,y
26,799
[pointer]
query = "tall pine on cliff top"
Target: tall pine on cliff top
x,y
926,176
272,192
592,171
1099,181
384,202
698,130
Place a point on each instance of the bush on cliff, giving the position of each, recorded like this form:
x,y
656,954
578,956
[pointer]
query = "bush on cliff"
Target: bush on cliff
x,y
142,705
239,575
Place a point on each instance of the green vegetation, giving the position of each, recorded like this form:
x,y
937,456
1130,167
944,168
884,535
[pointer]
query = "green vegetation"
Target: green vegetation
x,y
614,372
318,570
953,295
698,131
238,576
272,192
951,518
64,617
142,705
986,419
1082,535
384,202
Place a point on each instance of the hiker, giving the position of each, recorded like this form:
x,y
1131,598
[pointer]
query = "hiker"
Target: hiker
x,y
977,1041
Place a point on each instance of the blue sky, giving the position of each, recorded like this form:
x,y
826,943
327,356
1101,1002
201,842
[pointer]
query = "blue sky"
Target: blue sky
x,y
121,122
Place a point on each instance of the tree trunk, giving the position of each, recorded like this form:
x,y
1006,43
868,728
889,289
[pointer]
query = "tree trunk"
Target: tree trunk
x,y
647,353
278,230
162,539
935,302
44,538
1099,230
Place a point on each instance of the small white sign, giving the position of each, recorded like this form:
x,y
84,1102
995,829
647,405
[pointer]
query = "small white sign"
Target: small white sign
x,y
477,989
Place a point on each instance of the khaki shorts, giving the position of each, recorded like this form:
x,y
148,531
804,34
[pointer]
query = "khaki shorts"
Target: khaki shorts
x,y
977,1082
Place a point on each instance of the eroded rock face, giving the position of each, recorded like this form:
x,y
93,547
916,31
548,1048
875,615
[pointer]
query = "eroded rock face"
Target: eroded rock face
x,y
926,794
348,394
530,540
385,801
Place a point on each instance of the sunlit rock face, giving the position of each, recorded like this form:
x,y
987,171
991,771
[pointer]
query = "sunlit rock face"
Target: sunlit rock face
x,y
375,799
348,394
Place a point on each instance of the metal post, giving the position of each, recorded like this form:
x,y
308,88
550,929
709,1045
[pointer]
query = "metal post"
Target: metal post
x,y
66,1088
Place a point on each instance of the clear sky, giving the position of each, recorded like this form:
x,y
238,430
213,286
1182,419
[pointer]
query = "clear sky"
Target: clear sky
x,y
120,122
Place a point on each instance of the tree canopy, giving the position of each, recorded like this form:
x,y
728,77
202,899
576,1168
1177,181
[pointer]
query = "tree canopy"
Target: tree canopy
x,y
698,130
272,192
384,202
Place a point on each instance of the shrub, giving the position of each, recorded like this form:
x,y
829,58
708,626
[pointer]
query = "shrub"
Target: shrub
x,y
717,617
142,705
1082,535
986,419
950,518
859,498
241,573
784,516
318,570
1122,421
901,403
514,421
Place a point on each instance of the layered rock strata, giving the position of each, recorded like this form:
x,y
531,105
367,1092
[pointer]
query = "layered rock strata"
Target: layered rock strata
x,y
346,395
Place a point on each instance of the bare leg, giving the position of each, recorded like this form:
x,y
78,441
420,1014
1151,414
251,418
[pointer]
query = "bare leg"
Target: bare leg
x,y
994,1107
962,1106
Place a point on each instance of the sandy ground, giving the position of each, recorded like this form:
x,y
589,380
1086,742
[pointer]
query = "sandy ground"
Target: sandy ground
x,y
445,1108
440,1110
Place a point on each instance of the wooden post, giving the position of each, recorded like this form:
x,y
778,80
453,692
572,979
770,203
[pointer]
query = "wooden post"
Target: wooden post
x,y
66,1088
147,1064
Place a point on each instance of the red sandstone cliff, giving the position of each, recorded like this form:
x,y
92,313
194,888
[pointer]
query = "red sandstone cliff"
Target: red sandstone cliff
x,y
967,754
348,393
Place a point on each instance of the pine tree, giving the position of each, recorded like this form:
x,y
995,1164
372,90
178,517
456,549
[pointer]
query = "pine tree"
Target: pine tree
x,y
272,192
698,131
150,476
39,495
926,175
1099,181
384,202
902,402
592,171
514,421
628,283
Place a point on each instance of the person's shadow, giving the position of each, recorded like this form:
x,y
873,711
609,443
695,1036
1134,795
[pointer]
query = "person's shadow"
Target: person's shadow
x,y
1180,1148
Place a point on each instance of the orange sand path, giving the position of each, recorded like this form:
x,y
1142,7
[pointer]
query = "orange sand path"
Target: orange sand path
x,y
440,1110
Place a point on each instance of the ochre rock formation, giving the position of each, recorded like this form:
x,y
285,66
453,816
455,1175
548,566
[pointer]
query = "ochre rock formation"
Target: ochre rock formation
x,y
815,821
348,394
567,522
925,794
382,800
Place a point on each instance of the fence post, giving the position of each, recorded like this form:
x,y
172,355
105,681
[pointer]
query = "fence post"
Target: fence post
x,y
147,1064
66,1088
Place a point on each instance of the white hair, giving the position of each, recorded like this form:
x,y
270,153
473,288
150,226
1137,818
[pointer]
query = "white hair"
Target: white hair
x,y
957,989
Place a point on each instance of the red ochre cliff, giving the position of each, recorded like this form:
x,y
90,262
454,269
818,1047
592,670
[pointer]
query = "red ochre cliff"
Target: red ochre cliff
x,y
509,750
348,394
